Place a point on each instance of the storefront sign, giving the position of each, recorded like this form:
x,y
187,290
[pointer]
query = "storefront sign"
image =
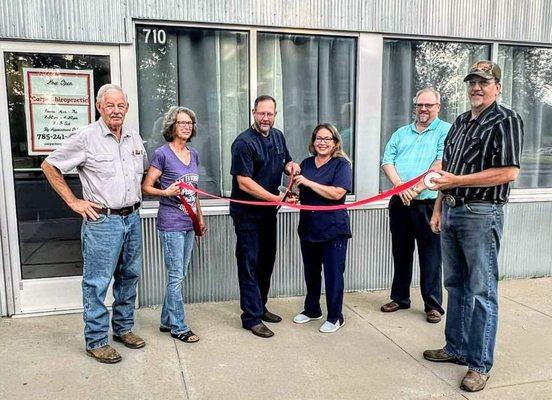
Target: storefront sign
x,y
58,102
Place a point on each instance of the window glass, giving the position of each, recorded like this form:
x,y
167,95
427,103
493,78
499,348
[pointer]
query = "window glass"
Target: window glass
x,y
205,70
527,89
49,232
410,65
313,81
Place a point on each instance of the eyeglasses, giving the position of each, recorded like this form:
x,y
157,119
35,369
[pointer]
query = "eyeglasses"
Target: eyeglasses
x,y
424,105
188,124
265,114
481,83
324,139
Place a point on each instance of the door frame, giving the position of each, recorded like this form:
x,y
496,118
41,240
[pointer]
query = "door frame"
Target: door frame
x,y
45,295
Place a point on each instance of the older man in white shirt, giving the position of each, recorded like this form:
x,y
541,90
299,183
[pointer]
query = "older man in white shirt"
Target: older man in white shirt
x,y
110,160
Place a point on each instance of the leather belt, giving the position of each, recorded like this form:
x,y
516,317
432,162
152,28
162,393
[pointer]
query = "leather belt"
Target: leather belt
x,y
453,201
424,201
123,212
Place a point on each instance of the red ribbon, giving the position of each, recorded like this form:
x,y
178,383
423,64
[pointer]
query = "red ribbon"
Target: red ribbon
x,y
358,203
190,211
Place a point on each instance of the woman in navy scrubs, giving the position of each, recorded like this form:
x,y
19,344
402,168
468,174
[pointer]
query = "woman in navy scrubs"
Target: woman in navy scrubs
x,y
326,179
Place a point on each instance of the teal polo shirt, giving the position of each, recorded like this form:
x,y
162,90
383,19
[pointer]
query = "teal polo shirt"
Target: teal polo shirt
x,y
412,152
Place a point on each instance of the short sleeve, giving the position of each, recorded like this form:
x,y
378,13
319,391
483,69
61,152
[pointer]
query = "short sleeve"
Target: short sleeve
x,y
158,159
287,156
343,175
71,155
242,160
508,143
144,152
390,152
303,163
196,155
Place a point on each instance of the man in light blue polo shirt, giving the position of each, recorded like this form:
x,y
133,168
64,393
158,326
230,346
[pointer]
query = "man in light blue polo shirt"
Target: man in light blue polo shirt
x,y
412,150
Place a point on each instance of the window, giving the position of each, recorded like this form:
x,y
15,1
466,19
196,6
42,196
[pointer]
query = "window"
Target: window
x,y
410,65
205,70
313,81
49,232
527,89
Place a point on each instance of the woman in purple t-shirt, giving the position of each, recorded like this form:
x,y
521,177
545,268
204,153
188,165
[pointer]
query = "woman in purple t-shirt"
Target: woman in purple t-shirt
x,y
172,163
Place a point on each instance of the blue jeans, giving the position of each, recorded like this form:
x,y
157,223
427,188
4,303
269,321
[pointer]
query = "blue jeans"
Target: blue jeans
x,y
111,247
470,240
177,252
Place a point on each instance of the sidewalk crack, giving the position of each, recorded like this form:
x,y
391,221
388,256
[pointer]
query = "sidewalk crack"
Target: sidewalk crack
x,y
183,372
520,384
526,306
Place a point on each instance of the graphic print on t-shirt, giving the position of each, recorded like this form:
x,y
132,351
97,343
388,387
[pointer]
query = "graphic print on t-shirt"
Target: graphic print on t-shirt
x,y
189,195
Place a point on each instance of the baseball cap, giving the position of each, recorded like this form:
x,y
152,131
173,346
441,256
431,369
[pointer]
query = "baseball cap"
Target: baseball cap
x,y
485,69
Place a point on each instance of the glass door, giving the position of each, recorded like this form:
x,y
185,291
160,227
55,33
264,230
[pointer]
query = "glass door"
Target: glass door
x,y
50,95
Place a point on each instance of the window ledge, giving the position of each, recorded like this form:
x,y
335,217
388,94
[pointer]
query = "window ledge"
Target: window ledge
x,y
220,207
530,195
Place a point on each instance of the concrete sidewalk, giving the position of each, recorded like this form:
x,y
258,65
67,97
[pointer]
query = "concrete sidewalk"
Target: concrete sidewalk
x,y
374,356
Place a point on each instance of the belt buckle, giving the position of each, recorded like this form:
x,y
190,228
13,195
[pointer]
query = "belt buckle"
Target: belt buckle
x,y
126,211
449,200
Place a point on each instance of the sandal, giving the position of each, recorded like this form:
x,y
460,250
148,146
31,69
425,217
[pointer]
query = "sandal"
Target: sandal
x,y
186,337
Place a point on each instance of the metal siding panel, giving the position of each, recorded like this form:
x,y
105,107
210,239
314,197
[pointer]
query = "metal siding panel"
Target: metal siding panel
x,y
99,21
525,249
212,276
103,21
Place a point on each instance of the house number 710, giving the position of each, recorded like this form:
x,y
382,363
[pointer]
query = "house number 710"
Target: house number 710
x,y
157,35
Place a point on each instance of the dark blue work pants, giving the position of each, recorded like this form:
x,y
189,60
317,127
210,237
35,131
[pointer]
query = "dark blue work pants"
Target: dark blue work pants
x,y
409,225
255,255
331,254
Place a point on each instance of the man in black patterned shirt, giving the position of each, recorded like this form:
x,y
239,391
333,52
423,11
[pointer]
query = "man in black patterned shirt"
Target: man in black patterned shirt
x,y
482,156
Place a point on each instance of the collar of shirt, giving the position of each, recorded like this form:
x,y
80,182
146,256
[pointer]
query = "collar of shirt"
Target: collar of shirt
x,y
106,131
431,126
254,129
487,113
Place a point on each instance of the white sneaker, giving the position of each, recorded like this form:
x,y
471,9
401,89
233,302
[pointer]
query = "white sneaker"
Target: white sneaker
x,y
302,318
328,327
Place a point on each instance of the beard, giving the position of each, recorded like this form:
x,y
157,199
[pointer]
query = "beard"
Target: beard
x,y
423,118
476,101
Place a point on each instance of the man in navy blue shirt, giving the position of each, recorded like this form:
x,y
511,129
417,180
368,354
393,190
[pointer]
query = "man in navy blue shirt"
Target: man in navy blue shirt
x,y
259,157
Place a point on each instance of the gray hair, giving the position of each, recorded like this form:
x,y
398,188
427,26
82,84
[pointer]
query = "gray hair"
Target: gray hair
x,y
106,88
428,89
169,122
